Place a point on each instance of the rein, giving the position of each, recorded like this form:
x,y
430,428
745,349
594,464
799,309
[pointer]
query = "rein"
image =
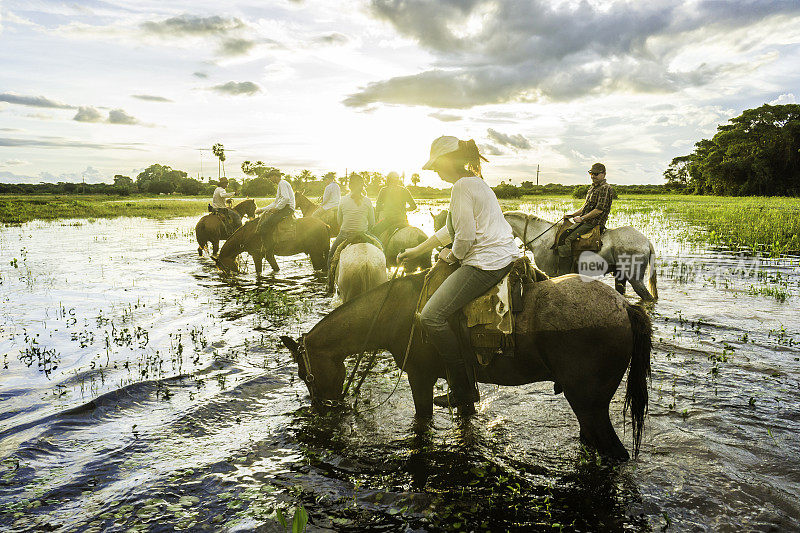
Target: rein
x,y
525,232
366,340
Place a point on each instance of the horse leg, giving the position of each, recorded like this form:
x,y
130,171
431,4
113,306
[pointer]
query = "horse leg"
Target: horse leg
x,y
620,284
272,262
214,248
259,263
641,290
596,429
422,392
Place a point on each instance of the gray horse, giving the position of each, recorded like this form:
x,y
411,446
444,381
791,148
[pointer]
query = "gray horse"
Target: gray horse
x,y
627,253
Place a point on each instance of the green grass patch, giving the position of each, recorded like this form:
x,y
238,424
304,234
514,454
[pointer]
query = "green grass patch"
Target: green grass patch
x,y
16,209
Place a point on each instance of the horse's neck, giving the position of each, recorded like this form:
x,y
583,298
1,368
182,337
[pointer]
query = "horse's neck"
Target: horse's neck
x,y
236,243
387,321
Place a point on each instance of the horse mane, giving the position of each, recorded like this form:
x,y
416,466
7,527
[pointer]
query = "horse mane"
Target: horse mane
x,y
238,240
526,215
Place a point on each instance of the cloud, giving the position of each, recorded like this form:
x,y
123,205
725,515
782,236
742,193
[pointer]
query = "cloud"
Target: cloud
x,y
189,25
786,98
489,52
59,142
118,116
236,47
332,39
12,163
88,114
237,88
518,141
490,149
151,98
32,101
201,75
444,117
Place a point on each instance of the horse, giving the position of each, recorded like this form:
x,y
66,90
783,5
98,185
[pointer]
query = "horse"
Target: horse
x,y
626,251
586,352
311,209
361,267
211,229
405,237
292,236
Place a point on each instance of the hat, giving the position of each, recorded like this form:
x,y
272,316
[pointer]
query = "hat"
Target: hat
x,y
223,179
392,176
443,145
598,168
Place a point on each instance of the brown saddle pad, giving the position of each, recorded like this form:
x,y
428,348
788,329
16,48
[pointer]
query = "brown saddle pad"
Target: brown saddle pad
x,y
490,317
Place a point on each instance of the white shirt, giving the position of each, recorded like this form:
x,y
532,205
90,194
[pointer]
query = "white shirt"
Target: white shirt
x,y
331,196
355,217
482,237
283,197
219,197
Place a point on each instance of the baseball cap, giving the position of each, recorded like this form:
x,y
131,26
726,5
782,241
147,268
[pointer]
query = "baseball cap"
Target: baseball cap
x,y
598,168
439,147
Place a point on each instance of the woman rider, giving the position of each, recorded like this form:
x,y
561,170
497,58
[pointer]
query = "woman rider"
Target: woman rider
x,y
356,215
483,245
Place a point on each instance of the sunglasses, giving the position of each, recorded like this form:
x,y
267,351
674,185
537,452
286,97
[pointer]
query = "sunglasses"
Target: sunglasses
x,y
595,173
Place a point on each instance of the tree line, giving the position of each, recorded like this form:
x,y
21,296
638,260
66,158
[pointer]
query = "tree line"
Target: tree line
x,y
756,153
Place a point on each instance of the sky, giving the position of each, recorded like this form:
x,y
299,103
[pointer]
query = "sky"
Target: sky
x,y
90,89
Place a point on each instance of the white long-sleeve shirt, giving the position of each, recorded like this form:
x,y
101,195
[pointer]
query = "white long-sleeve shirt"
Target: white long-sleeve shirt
x,y
332,196
481,236
283,196
219,197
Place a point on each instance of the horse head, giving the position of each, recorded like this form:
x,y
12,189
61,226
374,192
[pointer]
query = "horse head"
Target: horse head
x,y
249,208
439,219
325,390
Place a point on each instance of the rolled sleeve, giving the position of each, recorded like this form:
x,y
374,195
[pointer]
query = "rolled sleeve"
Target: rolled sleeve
x,y
443,235
463,222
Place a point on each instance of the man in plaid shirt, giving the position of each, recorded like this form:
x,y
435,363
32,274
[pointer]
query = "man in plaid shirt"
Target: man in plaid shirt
x,y
594,211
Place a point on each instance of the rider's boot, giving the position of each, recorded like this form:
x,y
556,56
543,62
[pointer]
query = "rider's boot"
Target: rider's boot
x,y
462,394
564,259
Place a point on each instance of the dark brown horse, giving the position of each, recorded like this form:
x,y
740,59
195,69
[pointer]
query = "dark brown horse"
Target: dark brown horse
x,y
585,352
211,229
292,236
311,209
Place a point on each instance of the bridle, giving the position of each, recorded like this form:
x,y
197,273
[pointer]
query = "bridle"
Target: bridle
x,y
526,243
309,379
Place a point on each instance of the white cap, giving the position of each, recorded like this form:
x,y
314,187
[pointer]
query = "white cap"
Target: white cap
x,y
443,145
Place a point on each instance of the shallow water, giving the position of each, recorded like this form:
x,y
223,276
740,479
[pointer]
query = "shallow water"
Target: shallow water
x,y
139,389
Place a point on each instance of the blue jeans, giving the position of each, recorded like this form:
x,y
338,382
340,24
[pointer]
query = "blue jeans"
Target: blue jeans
x,y
460,288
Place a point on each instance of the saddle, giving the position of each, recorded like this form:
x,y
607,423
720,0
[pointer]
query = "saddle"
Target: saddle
x,y
355,239
487,323
286,230
590,241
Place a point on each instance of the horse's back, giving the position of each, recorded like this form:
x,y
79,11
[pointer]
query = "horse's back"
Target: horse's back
x,y
361,267
571,303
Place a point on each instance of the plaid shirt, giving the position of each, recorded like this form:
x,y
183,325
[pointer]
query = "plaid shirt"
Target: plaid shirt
x,y
598,197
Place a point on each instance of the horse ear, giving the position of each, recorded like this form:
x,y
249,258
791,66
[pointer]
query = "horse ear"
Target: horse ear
x,y
290,343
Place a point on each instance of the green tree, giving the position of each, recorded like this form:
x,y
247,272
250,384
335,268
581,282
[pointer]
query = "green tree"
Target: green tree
x,y
159,179
219,152
415,179
757,152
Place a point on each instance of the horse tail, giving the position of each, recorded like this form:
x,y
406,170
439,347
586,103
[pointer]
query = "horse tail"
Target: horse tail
x,y
636,395
652,281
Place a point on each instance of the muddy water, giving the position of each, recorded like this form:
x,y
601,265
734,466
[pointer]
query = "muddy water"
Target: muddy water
x,y
139,389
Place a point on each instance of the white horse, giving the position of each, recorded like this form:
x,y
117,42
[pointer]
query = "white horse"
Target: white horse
x,y
361,267
627,253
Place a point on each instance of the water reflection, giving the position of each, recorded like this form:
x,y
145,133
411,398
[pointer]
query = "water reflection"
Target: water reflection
x,y
143,390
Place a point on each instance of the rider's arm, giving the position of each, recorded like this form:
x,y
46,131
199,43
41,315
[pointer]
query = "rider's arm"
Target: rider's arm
x,y
412,205
228,194
370,213
591,214
425,247
463,221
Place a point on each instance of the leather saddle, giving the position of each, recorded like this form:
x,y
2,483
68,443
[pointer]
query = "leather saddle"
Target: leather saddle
x,y
590,241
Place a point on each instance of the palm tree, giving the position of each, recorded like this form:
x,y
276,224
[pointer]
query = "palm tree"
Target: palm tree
x,y
219,151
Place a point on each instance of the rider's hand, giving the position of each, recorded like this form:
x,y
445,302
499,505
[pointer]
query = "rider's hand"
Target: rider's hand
x,y
447,256
566,217
578,219
405,255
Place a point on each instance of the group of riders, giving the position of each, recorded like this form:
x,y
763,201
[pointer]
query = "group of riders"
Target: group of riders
x,y
476,236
